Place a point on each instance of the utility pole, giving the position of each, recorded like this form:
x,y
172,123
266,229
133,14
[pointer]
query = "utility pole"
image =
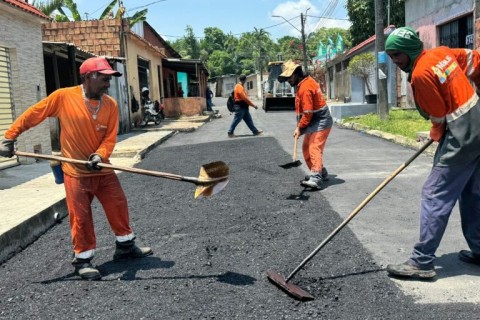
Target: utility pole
x,y
381,74
304,44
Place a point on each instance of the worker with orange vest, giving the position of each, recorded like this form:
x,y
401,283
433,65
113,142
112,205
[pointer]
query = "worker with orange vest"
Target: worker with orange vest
x,y
313,120
89,123
440,79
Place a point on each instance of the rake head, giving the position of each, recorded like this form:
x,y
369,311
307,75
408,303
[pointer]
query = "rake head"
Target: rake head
x,y
290,289
293,164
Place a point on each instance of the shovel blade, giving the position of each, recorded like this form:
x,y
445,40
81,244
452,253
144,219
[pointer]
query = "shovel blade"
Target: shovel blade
x,y
290,289
208,191
214,177
291,164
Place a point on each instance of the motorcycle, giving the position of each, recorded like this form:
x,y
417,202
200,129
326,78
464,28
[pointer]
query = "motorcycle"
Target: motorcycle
x,y
153,111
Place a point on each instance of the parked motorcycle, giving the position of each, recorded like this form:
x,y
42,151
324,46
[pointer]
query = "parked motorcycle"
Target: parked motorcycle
x,y
153,111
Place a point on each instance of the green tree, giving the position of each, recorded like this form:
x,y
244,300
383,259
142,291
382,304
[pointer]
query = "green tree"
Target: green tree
x,y
214,39
108,14
192,45
362,66
290,48
49,8
221,62
362,15
56,9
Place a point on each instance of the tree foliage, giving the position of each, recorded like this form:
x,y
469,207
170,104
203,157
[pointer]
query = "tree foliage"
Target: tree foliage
x,y
361,66
362,15
56,9
251,51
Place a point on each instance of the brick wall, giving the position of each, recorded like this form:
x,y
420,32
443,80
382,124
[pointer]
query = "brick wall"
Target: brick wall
x,y
101,37
190,106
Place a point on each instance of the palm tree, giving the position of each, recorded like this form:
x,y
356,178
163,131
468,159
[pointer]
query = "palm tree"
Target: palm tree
x,y
137,17
55,9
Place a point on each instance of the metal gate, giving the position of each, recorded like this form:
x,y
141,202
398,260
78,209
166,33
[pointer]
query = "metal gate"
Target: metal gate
x,y
6,101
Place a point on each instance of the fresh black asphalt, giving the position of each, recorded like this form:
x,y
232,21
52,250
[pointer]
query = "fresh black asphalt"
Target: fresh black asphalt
x,y
211,255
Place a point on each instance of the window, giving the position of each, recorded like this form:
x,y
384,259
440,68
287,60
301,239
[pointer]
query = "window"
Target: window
x,y
457,33
143,73
338,67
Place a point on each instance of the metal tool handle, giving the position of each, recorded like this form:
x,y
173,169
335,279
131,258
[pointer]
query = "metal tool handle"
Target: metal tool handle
x,y
360,207
159,174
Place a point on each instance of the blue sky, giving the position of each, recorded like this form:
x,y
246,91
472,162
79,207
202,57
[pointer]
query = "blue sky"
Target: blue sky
x,y
171,17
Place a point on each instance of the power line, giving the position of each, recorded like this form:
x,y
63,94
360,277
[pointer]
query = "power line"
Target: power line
x,y
102,7
326,17
147,5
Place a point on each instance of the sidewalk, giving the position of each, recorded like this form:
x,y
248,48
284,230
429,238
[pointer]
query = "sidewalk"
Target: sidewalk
x,y
31,202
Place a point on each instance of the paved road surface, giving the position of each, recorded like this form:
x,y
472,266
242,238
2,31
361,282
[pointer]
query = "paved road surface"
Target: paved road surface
x,y
211,254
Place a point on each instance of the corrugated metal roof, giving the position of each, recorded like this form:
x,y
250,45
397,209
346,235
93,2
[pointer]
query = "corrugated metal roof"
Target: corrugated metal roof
x,y
27,7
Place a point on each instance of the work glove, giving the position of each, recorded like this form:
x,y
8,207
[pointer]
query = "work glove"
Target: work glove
x,y
6,148
93,162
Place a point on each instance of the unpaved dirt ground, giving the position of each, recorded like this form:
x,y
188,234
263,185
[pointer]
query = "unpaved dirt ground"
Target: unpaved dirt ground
x,y
211,255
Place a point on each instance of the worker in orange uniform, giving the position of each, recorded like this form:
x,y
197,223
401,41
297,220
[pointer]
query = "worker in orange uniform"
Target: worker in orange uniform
x,y
89,123
241,109
440,79
313,120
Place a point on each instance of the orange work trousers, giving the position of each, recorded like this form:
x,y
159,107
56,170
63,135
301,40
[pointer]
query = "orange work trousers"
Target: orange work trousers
x,y
313,145
80,192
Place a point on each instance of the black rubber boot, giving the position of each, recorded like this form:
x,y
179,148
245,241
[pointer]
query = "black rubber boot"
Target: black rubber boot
x,y
128,250
469,257
85,269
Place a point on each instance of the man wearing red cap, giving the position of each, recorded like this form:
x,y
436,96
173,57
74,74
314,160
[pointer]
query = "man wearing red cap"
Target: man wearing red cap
x,y
89,123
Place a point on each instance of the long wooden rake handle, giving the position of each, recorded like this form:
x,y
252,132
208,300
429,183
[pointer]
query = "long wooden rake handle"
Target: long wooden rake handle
x,y
359,207
159,174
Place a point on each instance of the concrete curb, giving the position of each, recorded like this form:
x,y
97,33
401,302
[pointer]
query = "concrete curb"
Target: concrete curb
x,y
142,153
22,235
401,140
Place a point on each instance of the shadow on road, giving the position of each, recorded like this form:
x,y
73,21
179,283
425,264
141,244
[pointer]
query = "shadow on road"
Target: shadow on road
x,y
448,265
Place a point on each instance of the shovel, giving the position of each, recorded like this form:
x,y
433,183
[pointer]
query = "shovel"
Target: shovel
x,y
212,179
297,292
295,162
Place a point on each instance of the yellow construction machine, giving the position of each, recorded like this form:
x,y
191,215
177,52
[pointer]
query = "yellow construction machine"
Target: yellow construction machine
x,y
276,95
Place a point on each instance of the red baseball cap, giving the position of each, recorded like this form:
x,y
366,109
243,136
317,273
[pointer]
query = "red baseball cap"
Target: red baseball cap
x,y
98,64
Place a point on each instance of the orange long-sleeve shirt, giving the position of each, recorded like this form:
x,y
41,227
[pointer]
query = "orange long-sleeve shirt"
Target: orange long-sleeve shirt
x,y
440,81
311,107
239,94
80,134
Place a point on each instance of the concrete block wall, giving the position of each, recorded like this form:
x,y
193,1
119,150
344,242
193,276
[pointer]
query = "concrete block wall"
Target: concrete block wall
x,y
22,35
101,37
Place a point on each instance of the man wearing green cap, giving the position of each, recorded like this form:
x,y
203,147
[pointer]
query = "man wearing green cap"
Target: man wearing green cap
x,y
440,80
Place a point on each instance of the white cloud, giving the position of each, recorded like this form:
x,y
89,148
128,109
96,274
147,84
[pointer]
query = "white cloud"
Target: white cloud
x,y
332,23
291,10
